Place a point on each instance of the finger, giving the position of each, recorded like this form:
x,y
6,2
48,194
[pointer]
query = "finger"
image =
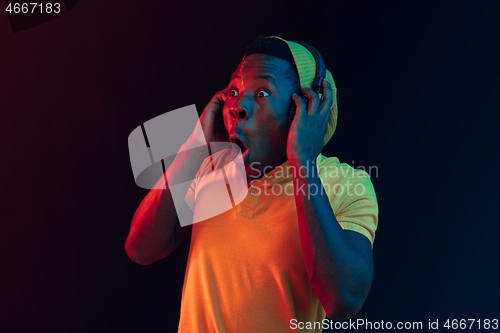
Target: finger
x,y
313,99
300,109
214,106
221,95
326,103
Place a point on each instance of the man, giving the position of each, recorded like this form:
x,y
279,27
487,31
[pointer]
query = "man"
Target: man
x,y
280,257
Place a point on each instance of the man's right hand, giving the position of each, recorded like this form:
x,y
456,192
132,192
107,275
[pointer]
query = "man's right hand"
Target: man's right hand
x,y
155,231
213,128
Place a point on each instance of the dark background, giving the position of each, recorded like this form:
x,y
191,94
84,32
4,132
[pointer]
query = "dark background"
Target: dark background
x,y
418,86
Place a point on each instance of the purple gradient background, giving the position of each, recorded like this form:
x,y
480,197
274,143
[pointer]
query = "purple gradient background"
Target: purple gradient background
x,y
417,94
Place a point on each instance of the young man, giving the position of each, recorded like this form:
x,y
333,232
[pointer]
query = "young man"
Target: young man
x,y
299,245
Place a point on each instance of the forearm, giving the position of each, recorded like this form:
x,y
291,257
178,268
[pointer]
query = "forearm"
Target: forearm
x,y
338,272
152,229
154,223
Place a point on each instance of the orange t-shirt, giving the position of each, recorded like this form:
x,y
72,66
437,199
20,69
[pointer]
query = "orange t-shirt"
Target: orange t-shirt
x,y
246,272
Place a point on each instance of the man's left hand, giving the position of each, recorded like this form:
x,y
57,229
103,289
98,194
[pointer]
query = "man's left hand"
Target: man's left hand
x,y
307,130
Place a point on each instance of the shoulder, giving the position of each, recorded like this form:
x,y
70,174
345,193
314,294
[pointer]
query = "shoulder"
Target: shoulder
x,y
331,171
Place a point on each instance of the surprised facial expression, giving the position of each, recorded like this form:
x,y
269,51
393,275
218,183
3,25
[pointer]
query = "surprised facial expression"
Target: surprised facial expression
x,y
259,97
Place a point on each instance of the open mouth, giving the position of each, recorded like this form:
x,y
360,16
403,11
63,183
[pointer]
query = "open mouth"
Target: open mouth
x,y
240,144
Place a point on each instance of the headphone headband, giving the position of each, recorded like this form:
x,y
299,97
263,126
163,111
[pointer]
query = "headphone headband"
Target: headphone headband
x,y
320,66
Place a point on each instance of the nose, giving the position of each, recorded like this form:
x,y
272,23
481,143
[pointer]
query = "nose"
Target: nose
x,y
239,113
240,110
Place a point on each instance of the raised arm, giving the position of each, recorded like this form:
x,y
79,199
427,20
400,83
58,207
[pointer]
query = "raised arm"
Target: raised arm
x,y
339,263
155,231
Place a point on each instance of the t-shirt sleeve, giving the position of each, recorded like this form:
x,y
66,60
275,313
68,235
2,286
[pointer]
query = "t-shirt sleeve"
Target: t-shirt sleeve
x,y
358,208
189,198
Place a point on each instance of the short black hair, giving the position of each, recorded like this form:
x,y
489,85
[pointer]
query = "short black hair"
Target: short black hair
x,y
277,48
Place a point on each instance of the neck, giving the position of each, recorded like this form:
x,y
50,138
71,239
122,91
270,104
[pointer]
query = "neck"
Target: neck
x,y
255,174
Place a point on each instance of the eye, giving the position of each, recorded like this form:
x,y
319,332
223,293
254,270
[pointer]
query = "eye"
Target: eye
x,y
262,93
233,92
